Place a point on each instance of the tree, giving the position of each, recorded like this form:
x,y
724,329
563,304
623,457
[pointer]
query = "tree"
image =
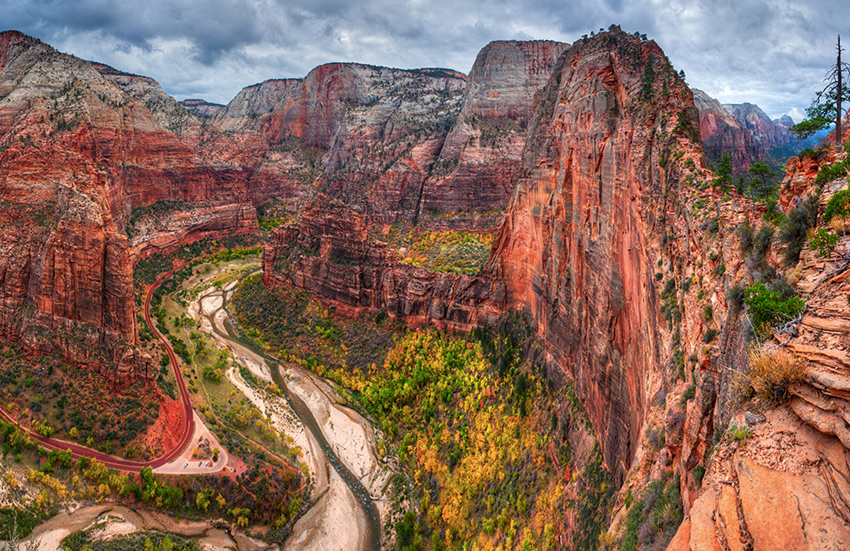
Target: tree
x,y
723,171
826,106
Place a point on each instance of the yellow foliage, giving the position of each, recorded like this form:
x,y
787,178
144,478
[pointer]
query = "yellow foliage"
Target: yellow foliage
x,y
772,372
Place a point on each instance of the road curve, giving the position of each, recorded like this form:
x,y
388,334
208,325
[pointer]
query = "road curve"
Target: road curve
x,y
187,426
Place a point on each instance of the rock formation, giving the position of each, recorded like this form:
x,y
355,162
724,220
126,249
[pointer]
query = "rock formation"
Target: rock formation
x,y
721,133
400,144
746,133
83,145
479,163
328,252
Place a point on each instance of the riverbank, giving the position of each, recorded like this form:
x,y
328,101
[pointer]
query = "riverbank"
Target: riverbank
x,y
336,518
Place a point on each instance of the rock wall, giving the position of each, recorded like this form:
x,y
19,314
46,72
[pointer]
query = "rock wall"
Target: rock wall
x,y
406,144
721,133
329,253
81,146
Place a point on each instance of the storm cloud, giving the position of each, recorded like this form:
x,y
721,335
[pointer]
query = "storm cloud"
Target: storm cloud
x,y
770,52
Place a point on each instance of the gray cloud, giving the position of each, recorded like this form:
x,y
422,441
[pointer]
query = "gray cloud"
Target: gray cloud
x,y
770,52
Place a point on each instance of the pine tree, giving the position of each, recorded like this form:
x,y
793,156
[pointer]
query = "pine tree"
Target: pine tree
x,y
826,106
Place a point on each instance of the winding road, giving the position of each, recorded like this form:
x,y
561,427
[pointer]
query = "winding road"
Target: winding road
x,y
187,426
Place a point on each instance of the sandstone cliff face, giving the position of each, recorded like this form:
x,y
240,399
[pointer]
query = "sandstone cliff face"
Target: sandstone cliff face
x,y
398,144
764,130
579,243
479,163
721,133
746,133
785,485
80,150
203,109
329,253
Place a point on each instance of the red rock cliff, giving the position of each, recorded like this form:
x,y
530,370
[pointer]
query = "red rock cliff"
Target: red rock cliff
x,y
80,151
576,249
329,253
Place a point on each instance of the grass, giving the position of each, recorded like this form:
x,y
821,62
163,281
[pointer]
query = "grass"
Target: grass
x,y
771,372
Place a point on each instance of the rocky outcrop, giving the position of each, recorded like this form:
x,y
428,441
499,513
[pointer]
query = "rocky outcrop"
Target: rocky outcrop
x,y
746,133
203,109
767,133
405,144
329,253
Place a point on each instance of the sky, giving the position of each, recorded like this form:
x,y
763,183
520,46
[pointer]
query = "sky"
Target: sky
x,y
773,53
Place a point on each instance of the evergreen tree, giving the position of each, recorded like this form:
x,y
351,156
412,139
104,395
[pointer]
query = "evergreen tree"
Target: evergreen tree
x,y
826,106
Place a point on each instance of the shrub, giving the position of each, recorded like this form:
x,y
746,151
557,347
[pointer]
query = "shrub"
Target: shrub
x,y
838,205
827,173
824,243
772,372
698,472
736,296
762,242
709,336
767,308
796,225
745,238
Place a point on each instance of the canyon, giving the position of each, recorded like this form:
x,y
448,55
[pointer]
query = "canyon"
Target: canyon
x,y
595,179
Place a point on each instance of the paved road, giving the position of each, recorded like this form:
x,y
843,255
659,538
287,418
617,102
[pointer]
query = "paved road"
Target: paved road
x,y
187,427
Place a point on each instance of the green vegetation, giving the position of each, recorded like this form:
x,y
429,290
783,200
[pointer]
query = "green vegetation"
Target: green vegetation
x,y
723,172
273,214
824,243
449,251
652,521
470,418
149,269
827,173
287,323
140,541
838,205
19,522
768,309
795,227
646,90
64,397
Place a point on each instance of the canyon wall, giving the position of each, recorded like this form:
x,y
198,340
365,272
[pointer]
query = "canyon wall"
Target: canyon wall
x,y
83,146
328,252
406,145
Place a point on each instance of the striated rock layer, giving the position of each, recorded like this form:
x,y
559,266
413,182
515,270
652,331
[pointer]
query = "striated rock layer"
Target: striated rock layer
x,y
404,144
329,253
82,148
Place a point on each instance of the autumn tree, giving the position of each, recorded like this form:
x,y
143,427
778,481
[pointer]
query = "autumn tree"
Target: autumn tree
x,y
826,106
